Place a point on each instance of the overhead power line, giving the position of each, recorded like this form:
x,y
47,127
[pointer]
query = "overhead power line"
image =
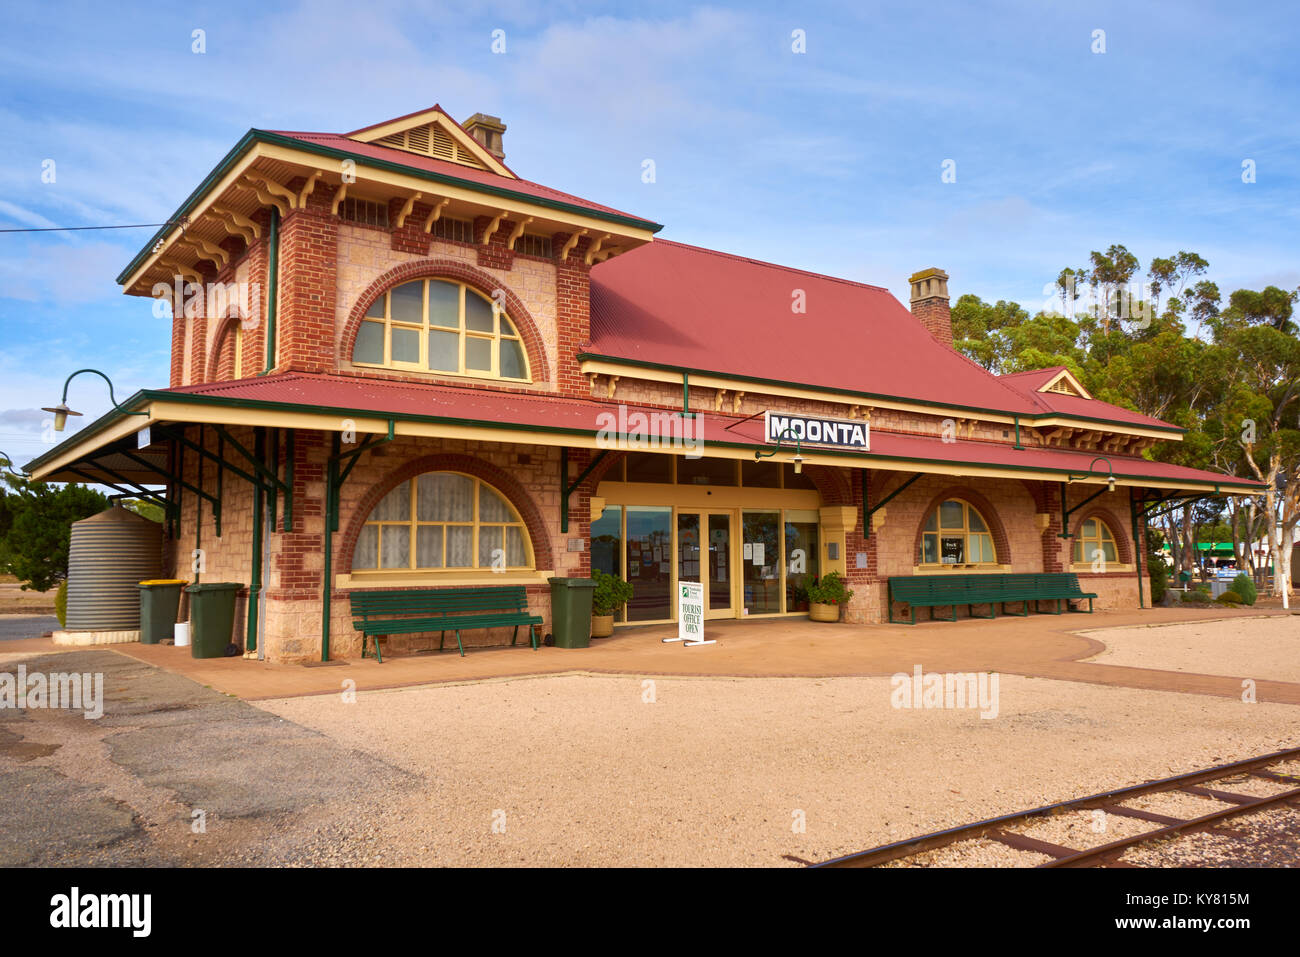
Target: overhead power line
x,y
65,229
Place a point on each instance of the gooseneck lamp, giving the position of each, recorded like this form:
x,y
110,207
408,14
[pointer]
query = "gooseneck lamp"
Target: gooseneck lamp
x,y
61,411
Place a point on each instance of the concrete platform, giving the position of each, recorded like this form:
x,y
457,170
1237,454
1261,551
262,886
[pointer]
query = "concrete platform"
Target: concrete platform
x,y
1044,646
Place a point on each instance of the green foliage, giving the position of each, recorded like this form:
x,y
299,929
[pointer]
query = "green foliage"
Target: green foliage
x,y
144,509
61,603
610,594
39,517
1245,587
1200,595
829,590
1230,598
1156,568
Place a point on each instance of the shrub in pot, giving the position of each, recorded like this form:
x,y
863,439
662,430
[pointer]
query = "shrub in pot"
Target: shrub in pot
x,y
826,595
610,594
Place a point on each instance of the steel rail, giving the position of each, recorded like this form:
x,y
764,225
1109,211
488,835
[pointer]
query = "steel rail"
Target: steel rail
x,y
1068,857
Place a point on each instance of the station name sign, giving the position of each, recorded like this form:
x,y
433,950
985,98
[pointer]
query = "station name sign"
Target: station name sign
x,y
817,430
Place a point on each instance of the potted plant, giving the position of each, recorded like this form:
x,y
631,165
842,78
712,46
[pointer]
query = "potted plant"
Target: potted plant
x,y
611,594
826,596
799,599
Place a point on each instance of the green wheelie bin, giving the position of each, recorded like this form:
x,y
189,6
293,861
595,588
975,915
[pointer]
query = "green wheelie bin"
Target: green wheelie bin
x,y
212,618
160,599
571,611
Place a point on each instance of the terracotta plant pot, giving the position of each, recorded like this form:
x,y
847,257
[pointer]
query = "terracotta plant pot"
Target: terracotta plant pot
x,y
602,626
820,612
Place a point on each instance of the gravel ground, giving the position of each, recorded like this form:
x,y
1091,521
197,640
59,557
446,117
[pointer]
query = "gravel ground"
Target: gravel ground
x,y
1177,804
581,770
1259,648
1268,839
977,853
1083,829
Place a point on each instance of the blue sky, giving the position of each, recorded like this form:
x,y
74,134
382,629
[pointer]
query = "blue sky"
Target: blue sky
x,y
828,160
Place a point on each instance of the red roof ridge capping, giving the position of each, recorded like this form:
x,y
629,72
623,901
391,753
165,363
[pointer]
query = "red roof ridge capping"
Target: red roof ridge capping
x,y
761,262
1033,372
436,108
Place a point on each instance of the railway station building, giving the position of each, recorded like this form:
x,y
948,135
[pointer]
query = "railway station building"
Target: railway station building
x,y
397,364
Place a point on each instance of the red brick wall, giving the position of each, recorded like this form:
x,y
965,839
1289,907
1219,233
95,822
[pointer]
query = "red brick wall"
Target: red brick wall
x,y
936,316
308,262
572,318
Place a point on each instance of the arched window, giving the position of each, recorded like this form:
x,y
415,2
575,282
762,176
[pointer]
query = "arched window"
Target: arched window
x,y
434,325
443,520
956,534
1094,536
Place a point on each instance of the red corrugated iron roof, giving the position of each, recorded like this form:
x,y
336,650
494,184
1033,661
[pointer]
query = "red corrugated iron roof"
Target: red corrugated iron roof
x,y
381,398
471,174
670,304
1032,381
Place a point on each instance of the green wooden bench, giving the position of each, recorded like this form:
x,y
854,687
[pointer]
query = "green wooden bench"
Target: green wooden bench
x,y
952,591
378,614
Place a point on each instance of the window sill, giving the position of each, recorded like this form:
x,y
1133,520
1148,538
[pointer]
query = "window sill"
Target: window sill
x,y
1085,568
958,568
430,579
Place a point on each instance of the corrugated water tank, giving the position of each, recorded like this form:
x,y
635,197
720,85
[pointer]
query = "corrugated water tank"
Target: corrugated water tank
x,y
108,556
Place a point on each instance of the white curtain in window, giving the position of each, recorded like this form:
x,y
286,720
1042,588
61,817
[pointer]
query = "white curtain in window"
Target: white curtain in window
x,y
460,546
395,506
445,497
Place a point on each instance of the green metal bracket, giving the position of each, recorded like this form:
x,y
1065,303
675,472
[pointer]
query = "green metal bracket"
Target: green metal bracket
x,y
566,489
888,498
865,479
338,478
1066,511
288,480
1018,446
334,480
135,491
258,465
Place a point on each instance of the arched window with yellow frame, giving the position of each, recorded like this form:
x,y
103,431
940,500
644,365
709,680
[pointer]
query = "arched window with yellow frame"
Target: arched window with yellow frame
x,y
956,533
443,521
1095,542
441,326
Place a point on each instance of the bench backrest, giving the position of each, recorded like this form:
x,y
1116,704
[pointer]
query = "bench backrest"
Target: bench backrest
x,y
962,587
441,601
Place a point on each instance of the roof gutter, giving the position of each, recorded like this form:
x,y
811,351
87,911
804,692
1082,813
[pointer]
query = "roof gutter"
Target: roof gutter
x,y
1239,486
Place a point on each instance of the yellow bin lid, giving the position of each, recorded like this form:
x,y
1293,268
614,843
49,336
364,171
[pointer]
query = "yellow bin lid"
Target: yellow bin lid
x,y
165,581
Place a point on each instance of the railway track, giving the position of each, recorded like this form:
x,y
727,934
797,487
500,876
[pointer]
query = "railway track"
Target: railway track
x,y
1164,827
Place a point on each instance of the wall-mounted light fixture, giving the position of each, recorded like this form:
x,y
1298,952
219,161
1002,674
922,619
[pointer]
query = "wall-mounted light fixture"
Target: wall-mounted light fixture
x,y
61,411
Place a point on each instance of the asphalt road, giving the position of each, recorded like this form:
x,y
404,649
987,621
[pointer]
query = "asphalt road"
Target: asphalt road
x,y
176,774
13,627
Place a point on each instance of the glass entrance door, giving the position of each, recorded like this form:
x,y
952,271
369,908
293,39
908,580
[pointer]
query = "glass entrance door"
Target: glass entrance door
x,y
704,555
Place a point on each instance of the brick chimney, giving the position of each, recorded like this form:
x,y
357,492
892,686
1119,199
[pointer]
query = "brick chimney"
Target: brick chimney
x,y
488,130
930,303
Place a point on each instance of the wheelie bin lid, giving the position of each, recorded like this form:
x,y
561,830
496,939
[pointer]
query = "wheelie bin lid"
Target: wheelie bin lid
x,y
164,581
215,586
573,582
